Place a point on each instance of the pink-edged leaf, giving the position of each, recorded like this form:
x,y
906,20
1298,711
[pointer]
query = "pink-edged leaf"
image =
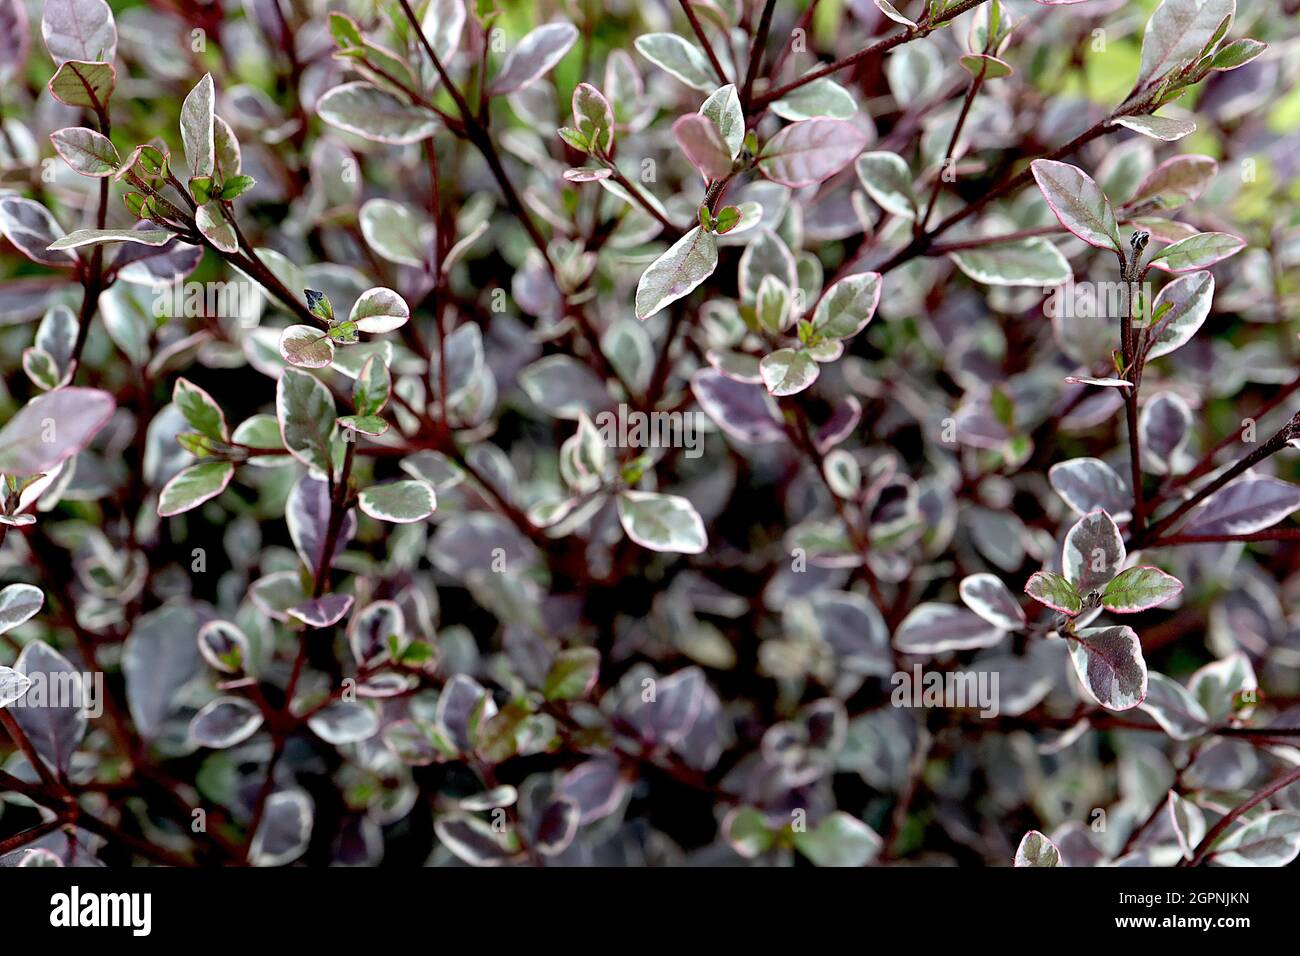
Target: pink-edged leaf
x,y
1197,252
1049,588
193,486
1175,181
51,428
33,229
1093,552
1078,203
534,55
987,596
808,152
1183,306
702,143
1247,505
1109,663
1139,589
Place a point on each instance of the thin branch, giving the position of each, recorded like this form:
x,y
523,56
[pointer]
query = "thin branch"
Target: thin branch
x,y
1274,444
1203,848
704,41
884,46
756,50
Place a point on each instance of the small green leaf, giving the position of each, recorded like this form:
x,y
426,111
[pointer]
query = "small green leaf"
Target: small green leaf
x,y
572,674
236,186
1139,589
366,424
193,486
318,304
372,388
200,410
1048,587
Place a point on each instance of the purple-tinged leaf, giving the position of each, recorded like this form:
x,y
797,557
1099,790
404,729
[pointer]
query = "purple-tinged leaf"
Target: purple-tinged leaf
x,y
197,128
1108,661
745,412
1174,182
703,146
596,786
1172,706
51,428
536,54
225,722
476,842
594,117
1089,484
224,646
375,114
33,229
933,628
79,30
1165,426
1181,307
55,731
1177,32
306,346
159,658
1245,506
987,596
15,39
811,151
1271,839
285,830
371,630
1093,552
88,153
1078,203
83,83
307,512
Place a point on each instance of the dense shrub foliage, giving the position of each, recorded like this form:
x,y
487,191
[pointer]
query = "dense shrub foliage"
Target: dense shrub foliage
x,y
594,432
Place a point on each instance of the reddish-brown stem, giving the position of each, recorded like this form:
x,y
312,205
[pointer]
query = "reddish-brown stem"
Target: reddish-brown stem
x,y
704,41
1203,848
911,33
